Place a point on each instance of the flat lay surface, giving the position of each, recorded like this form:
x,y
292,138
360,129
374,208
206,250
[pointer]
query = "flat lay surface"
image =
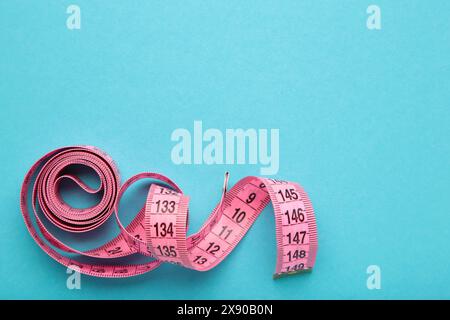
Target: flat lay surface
x,y
363,120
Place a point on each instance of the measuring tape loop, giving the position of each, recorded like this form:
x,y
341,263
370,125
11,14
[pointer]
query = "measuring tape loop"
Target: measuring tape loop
x,y
159,230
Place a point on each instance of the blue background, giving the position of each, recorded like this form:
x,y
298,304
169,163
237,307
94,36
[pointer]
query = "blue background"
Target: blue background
x,y
363,117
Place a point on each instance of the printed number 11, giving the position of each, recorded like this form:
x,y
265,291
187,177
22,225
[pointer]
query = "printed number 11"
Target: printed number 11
x,y
225,231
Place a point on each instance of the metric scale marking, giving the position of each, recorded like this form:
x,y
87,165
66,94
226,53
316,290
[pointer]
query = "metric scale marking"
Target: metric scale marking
x,y
159,230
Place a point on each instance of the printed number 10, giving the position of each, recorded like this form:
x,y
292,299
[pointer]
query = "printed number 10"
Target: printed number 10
x,y
238,215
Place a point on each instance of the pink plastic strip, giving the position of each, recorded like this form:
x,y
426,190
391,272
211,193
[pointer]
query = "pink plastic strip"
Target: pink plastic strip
x,y
159,230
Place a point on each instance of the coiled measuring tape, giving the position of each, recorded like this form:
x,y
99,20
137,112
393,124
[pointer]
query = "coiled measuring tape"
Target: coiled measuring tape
x,y
159,230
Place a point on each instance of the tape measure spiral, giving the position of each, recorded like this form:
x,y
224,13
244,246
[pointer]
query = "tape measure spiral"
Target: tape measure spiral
x,y
159,230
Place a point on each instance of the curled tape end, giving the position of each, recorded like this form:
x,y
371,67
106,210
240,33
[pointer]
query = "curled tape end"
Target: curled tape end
x,y
224,189
225,182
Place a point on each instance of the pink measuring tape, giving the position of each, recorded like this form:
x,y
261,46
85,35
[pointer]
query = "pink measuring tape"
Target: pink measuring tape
x,y
159,229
